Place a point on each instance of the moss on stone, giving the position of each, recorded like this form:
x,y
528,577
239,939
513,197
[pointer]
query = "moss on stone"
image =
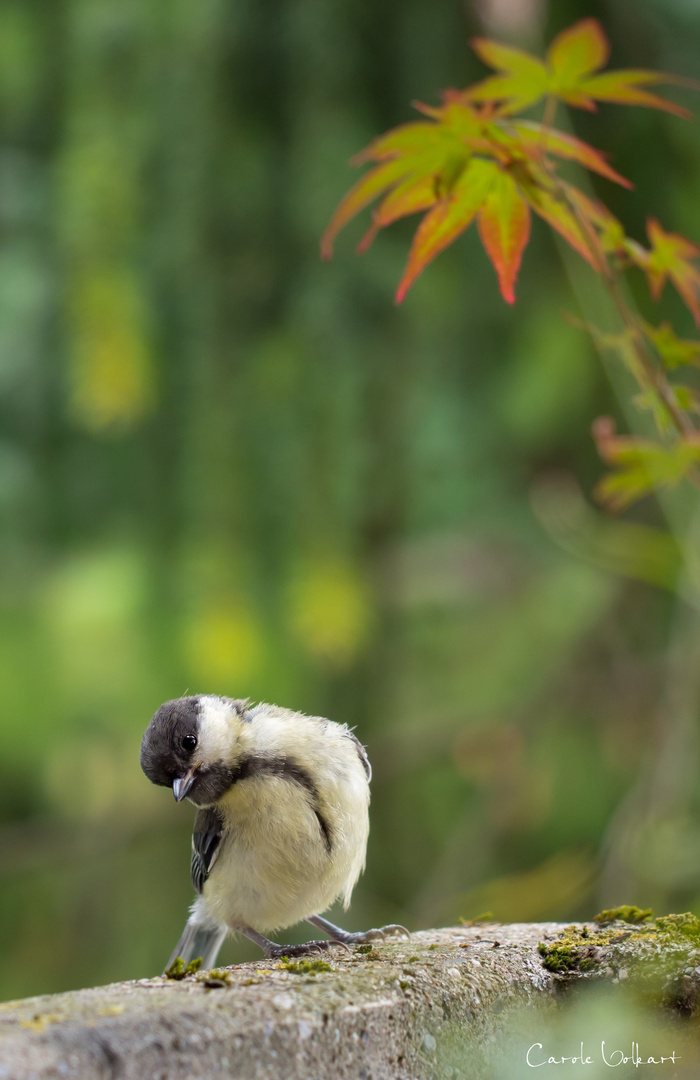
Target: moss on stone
x,y
577,949
686,925
653,950
628,913
180,970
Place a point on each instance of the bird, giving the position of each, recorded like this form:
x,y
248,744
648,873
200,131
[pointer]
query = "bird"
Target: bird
x,y
282,820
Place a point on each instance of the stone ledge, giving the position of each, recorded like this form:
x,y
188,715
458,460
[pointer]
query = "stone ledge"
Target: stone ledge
x,y
399,1012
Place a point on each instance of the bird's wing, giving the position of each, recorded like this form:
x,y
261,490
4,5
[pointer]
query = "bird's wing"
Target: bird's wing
x,y
362,754
206,843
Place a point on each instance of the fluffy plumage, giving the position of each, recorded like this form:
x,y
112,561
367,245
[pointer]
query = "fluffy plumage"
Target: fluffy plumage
x,y
282,823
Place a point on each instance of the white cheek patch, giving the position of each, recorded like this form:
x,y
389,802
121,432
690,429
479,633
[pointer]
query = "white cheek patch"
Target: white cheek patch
x,y
216,730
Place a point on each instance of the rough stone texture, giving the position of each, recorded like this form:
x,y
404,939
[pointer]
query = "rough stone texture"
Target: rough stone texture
x,y
399,1012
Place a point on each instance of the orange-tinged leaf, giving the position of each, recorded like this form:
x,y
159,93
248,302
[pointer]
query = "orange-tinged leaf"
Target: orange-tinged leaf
x,y
671,256
504,227
416,194
448,219
559,215
366,190
610,232
535,136
578,50
623,88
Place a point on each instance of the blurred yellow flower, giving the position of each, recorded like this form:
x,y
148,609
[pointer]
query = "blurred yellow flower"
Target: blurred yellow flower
x,y
329,611
111,367
224,647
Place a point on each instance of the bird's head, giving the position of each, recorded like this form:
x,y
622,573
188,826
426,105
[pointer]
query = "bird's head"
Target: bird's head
x,y
191,745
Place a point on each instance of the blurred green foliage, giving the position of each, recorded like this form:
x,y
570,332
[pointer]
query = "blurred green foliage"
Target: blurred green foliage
x,y
225,467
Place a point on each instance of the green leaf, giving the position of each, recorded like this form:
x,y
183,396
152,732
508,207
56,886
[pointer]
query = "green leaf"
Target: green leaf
x,y
674,351
568,75
577,51
407,140
641,466
672,256
686,397
523,82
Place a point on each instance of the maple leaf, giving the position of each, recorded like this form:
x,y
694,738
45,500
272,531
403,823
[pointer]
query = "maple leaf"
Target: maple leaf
x,y
576,52
536,139
413,195
387,175
448,219
641,465
504,227
674,351
523,80
568,73
610,232
554,208
671,256
623,88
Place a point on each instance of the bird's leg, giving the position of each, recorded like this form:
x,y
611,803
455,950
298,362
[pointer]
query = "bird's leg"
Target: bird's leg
x,y
273,951
345,937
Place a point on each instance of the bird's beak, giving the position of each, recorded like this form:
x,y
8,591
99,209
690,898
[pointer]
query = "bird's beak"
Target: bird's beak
x,y
182,785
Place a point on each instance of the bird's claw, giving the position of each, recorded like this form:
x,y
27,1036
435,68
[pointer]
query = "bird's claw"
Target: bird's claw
x,y
396,928
376,934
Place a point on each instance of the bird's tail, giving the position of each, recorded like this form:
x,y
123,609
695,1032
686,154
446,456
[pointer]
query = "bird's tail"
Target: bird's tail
x,y
199,939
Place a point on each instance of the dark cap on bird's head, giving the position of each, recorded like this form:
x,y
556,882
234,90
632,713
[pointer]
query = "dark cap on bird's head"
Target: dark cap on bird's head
x,y
191,746
169,745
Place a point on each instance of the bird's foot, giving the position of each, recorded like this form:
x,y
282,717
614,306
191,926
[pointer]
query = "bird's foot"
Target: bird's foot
x,y
362,937
308,948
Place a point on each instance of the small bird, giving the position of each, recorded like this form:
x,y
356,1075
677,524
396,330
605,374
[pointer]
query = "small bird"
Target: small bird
x,y
282,820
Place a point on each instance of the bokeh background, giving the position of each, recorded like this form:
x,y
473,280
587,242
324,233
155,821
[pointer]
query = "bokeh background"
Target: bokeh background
x,y
227,467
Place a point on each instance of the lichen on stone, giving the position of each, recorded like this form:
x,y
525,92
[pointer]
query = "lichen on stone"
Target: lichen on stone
x,y
304,967
215,978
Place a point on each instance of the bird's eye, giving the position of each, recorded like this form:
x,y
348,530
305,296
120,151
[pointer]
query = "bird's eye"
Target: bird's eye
x,y
188,743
